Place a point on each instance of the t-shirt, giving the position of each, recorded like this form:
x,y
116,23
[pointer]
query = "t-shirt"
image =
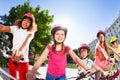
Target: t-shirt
x,y
88,63
118,51
19,36
57,62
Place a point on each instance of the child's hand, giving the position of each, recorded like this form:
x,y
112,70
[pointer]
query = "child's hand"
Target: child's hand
x,y
112,60
106,73
90,71
30,76
17,55
35,26
80,70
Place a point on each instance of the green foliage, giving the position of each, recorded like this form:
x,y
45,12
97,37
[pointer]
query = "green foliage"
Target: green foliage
x,y
74,66
69,59
43,20
91,56
3,62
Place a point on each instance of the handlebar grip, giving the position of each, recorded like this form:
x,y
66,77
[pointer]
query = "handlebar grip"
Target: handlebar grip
x,y
10,53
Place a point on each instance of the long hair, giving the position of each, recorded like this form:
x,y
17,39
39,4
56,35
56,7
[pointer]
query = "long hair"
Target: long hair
x,y
106,49
63,48
18,24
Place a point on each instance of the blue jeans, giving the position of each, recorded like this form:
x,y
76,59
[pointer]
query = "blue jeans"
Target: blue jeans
x,y
51,77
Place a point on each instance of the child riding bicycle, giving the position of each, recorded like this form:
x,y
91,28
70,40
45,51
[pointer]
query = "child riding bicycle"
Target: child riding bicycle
x,y
84,51
102,55
23,32
116,46
57,59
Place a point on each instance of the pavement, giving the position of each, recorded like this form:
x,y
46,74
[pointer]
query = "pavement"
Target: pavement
x,y
41,73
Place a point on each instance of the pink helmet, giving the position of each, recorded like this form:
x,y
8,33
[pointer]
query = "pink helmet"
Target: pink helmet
x,y
29,15
100,32
84,46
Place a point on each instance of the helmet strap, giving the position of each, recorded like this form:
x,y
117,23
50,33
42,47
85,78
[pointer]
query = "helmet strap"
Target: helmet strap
x,y
83,58
58,42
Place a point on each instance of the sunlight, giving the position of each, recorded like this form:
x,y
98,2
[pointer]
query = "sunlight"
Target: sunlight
x,y
63,21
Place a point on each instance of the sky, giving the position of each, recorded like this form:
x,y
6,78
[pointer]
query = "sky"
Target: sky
x,y
83,18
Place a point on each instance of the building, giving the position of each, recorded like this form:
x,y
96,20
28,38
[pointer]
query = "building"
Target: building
x,y
113,30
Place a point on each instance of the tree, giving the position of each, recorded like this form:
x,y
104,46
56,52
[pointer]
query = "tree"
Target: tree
x,y
43,20
91,56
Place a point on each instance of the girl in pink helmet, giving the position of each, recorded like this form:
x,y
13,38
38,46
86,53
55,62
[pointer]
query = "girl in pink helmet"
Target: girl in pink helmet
x,y
57,60
23,32
102,55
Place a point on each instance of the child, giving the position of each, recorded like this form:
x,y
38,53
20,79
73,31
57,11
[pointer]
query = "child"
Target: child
x,y
84,51
102,58
23,32
57,52
116,46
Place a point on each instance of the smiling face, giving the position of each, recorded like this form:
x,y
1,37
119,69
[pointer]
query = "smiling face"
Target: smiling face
x,y
26,23
83,53
59,36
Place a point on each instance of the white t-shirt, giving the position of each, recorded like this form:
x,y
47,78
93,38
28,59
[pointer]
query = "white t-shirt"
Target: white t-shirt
x,y
19,36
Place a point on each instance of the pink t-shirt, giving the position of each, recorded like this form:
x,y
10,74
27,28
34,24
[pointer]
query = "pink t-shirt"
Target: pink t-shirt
x,y
57,62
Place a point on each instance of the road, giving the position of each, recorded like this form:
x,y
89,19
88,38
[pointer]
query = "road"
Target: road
x,y
41,73
69,72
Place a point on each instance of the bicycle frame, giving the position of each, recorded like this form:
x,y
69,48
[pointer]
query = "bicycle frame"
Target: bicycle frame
x,y
117,73
8,75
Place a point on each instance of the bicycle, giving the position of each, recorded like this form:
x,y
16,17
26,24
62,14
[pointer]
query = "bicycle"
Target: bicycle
x,y
83,75
5,51
92,75
116,73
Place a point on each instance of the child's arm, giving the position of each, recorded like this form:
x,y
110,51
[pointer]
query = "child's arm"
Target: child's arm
x,y
4,28
25,42
114,51
103,51
32,72
99,69
77,60
17,54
